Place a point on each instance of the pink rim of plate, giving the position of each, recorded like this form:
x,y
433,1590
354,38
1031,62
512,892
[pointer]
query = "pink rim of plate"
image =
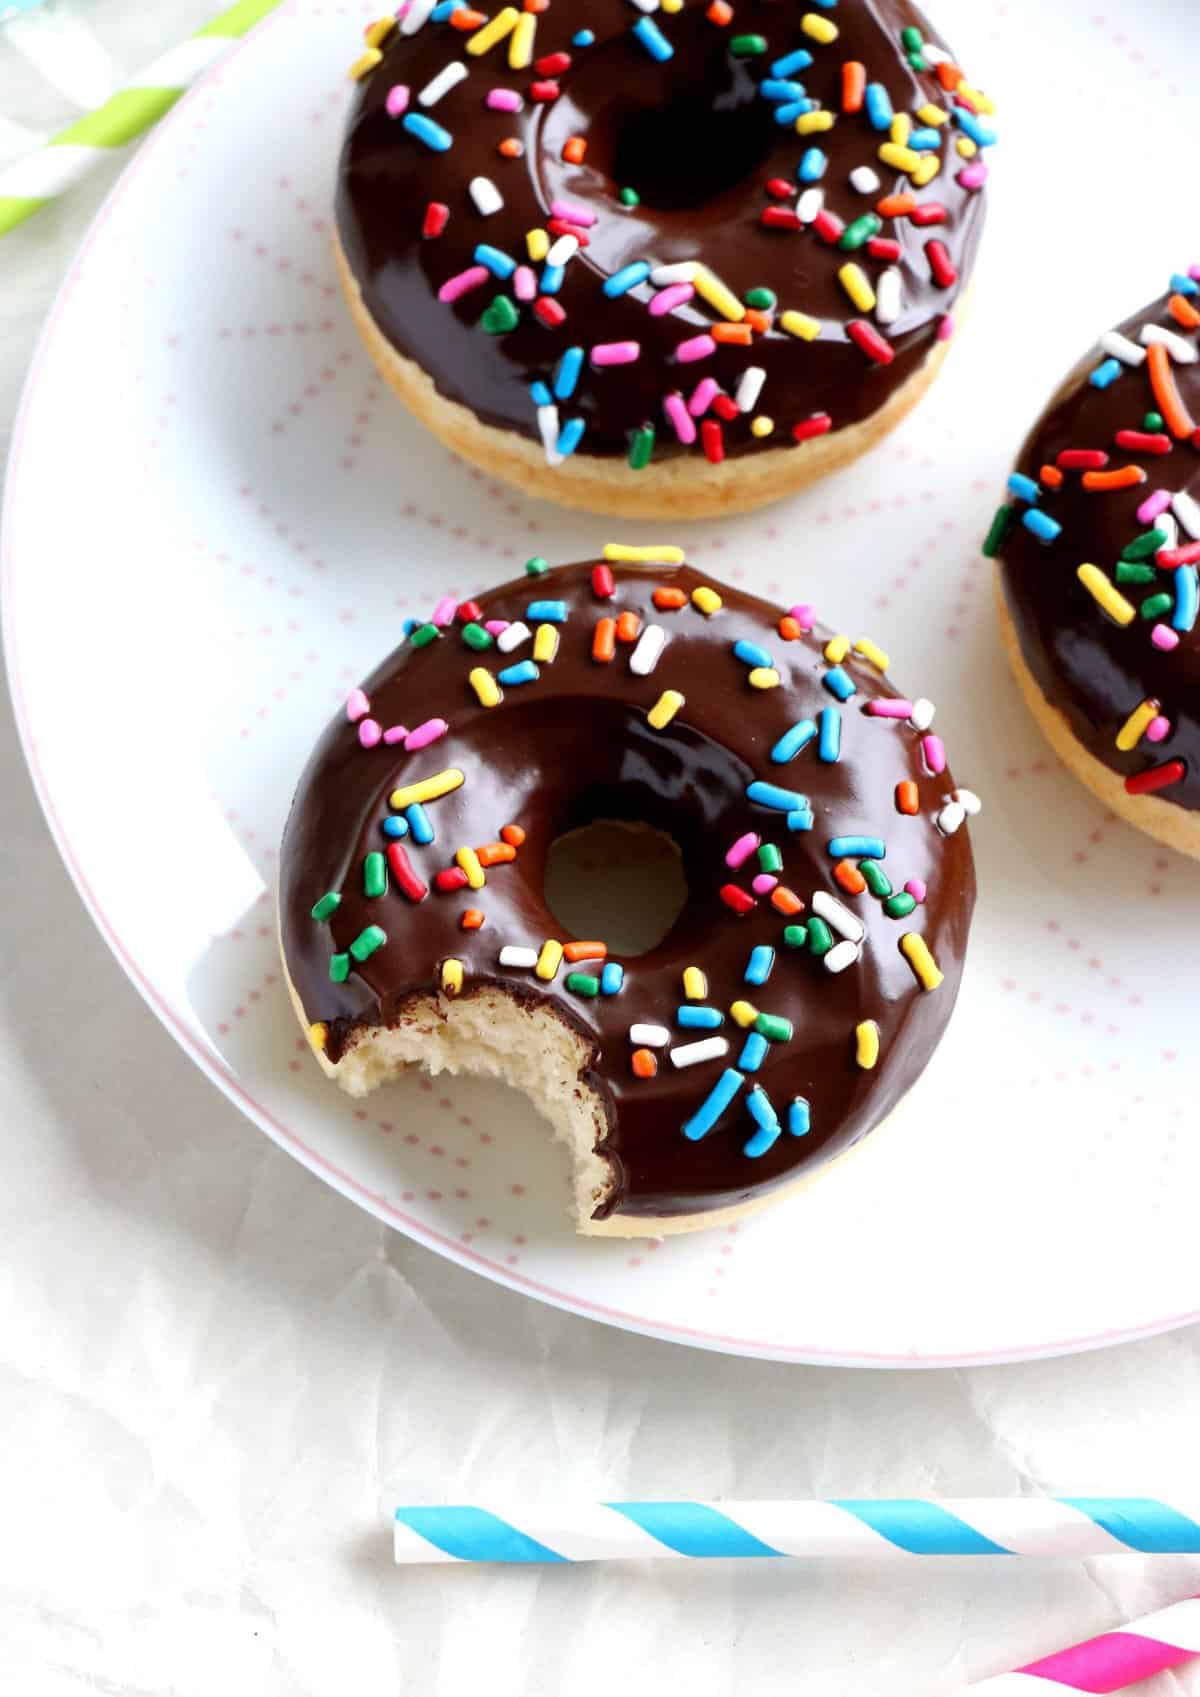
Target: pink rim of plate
x,y
214,1068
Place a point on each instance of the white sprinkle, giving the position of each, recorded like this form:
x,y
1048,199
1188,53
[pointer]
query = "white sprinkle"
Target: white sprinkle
x,y
887,296
950,818
547,418
684,272
968,801
809,204
649,646
646,5
511,955
1120,347
934,55
1187,511
417,14
1167,523
650,1036
841,955
1183,353
750,388
864,179
562,249
921,716
708,1049
512,636
486,195
841,919
445,80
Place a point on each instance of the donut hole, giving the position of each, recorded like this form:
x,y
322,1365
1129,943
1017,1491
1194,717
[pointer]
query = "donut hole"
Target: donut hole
x,y
619,880
688,152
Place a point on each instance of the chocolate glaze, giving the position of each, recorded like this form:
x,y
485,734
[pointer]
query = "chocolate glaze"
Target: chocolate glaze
x,y
1092,670
698,142
576,746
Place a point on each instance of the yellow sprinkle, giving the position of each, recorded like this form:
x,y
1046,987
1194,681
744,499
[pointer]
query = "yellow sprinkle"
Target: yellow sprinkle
x,y
318,1034
1134,728
672,5
537,244
872,654
469,861
800,324
550,959
484,685
744,1013
665,709
966,147
932,114
1101,590
662,554
814,123
495,31
820,29
901,129
365,62
916,952
762,425
720,298
979,100
763,677
854,280
866,1041
452,977
927,169
545,638
520,46
899,158
378,32
427,789
695,984
708,601
836,649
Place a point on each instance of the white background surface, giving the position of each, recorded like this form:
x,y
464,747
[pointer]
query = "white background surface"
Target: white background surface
x,y
215,1376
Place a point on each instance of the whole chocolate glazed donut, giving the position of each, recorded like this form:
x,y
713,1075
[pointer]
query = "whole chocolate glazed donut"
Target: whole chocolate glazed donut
x,y
607,253
1098,545
815,962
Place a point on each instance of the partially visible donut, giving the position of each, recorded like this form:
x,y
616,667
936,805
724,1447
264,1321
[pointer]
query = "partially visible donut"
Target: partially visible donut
x,y
815,962
587,246
1098,552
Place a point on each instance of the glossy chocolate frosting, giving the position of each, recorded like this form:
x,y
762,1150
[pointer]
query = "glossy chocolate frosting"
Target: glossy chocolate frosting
x,y
1093,670
696,139
576,745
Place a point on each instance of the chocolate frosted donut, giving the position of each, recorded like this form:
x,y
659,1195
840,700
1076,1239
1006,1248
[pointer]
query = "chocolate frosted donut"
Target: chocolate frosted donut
x,y
1098,545
815,961
660,260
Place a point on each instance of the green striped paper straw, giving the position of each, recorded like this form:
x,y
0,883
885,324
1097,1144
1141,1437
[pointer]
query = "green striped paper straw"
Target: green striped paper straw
x,y
68,157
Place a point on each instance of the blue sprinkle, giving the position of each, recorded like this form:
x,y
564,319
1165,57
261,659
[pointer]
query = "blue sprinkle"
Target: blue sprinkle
x,y
812,165
653,40
442,12
524,672
583,38
569,436
612,976
433,135
552,279
759,1104
547,612
857,848
752,654
701,1019
419,824
540,394
1184,285
923,141
758,967
410,625
793,740
1024,488
395,825
798,1116
801,819
827,5
829,734
714,1104
1187,598
788,114
754,1052
879,106
498,263
1105,373
970,125
800,60
1041,524
566,375
778,88
838,681
771,795
628,277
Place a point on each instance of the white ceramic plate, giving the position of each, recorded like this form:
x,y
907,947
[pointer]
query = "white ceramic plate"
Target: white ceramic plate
x,y
216,522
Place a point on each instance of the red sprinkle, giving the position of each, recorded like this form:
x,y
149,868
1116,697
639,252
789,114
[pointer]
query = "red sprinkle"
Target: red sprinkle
x,y
468,612
712,440
552,64
725,407
737,899
544,91
1081,459
452,878
1143,442
928,212
404,875
779,218
779,187
941,266
549,311
560,227
867,337
1157,778
884,247
603,582
828,225
1172,557
437,216
817,425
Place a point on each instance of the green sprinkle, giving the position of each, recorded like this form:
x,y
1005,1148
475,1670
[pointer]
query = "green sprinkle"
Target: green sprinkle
x,y
1141,548
820,937
329,903
748,46
1128,572
374,874
795,936
629,197
774,1027
918,61
1152,421
339,968
475,636
763,300
501,317
641,446
769,858
860,230
423,636
1154,606
912,39
878,881
1003,522
900,905
583,983
367,941
536,565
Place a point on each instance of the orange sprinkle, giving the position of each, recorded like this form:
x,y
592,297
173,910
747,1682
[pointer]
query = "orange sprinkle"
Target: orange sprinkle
x,y
467,19
472,919
789,628
1125,478
1050,475
785,900
669,600
719,13
585,951
514,834
895,205
854,85
949,74
643,1063
495,854
628,625
1179,421
758,321
574,149
850,878
510,147
604,641
1183,312
738,335
908,799
537,5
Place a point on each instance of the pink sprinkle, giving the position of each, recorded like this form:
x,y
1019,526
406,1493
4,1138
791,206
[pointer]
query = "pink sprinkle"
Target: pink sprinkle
x,y
945,327
1154,504
443,613
916,889
1162,636
369,732
696,347
890,707
424,734
702,396
397,100
934,753
356,705
1158,729
494,626
680,419
615,353
1194,273
455,287
524,283
742,849
572,214
973,176
804,615
402,9
668,299
504,100
395,733
763,883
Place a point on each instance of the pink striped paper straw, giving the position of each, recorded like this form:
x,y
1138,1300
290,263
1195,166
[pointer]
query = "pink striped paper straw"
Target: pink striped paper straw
x,y
1112,1662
